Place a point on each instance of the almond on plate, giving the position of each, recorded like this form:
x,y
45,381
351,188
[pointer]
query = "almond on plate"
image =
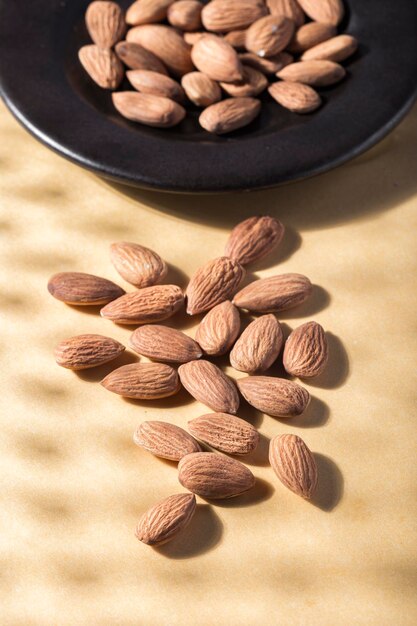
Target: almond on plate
x,y
294,464
212,475
258,346
165,440
165,43
306,351
223,16
209,385
229,115
275,293
148,109
166,519
83,289
315,73
147,11
102,65
138,265
295,97
274,396
213,56
201,89
156,84
269,35
225,432
105,23
85,351
150,304
219,329
138,58
213,283
336,49
288,8
310,35
185,14
165,344
254,238
143,381
252,84
326,11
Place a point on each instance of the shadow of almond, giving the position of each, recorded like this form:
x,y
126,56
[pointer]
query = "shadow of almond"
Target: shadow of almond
x,y
176,276
330,486
319,300
337,368
249,413
316,414
260,455
202,534
87,310
261,491
96,374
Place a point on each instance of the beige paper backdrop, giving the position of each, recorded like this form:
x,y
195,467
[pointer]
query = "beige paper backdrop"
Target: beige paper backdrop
x,y
73,484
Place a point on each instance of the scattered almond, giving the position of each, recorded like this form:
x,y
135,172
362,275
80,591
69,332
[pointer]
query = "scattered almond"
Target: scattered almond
x,y
148,109
85,351
315,73
222,16
138,265
214,476
165,43
166,519
254,238
229,115
295,97
326,11
216,58
165,344
105,23
224,432
138,58
258,346
147,11
150,304
269,35
336,49
288,8
273,294
102,65
83,289
219,329
310,35
209,385
185,14
200,89
213,283
143,381
272,65
252,84
294,464
274,396
165,440
306,351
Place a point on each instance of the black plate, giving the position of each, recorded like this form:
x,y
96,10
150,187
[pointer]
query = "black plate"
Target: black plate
x,y
44,86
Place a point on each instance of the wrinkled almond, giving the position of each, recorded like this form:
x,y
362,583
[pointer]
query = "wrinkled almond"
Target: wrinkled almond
x,y
306,351
85,351
269,35
148,109
213,283
138,265
147,11
336,49
165,43
295,97
165,440
253,83
102,65
315,73
105,23
225,432
83,289
229,115
272,65
138,58
209,385
258,346
143,381
219,329
185,14
222,16
165,344
273,294
254,238
326,11
294,464
200,89
166,519
216,58
214,476
288,8
150,304
274,396
310,35
156,84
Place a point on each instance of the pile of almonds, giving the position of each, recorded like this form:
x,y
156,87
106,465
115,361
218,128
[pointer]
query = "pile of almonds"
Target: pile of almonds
x,y
223,52
179,360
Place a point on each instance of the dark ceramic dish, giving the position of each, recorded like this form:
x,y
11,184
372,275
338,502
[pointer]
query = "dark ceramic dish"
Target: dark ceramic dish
x,y
44,86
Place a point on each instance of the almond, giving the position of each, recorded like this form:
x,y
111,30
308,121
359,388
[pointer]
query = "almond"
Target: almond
x,y
295,97
254,238
274,396
165,43
147,11
200,89
102,65
105,23
306,351
310,35
148,109
165,344
209,385
138,58
315,73
192,38
165,440
143,381
216,58
151,304
224,432
336,49
326,11
213,283
269,35
83,289
222,16
272,65
166,519
156,84
138,265
229,115
253,83
84,351
236,38
258,346
185,14
288,8
273,294
215,476
219,329
294,464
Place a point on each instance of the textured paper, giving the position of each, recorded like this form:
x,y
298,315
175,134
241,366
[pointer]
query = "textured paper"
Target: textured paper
x,y
73,484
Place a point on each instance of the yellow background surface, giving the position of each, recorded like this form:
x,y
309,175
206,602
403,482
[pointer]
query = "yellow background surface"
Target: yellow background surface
x,y
73,484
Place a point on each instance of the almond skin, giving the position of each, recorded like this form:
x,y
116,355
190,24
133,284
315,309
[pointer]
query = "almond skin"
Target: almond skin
x,y
310,35
156,84
315,73
336,49
165,344
102,65
272,65
105,23
165,440
143,381
192,38
258,346
214,476
273,294
253,84
209,385
165,43
274,396
224,432
288,8
200,89
147,11
138,265
148,109
185,14
213,283
216,58
306,351
222,16
254,238
219,329
229,115
295,97
83,289
151,304
294,464
166,519
326,11
138,58
269,35
236,38
85,351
